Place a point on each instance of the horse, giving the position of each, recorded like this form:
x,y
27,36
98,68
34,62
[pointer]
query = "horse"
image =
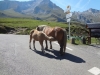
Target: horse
x,y
58,33
38,36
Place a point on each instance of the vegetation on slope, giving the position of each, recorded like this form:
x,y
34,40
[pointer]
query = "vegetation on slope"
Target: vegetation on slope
x,y
28,24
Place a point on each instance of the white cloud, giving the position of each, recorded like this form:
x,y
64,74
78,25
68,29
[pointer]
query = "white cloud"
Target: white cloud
x,y
78,4
81,5
85,4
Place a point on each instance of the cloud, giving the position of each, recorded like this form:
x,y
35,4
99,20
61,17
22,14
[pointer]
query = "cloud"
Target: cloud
x,y
85,4
61,3
81,5
78,4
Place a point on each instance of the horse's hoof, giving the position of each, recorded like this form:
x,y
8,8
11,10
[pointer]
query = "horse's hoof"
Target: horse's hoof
x,y
61,54
46,48
50,48
43,52
34,48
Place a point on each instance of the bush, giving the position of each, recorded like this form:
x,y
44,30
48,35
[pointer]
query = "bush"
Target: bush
x,y
3,29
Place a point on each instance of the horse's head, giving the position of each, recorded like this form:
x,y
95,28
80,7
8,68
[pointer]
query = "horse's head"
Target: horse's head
x,y
40,27
37,28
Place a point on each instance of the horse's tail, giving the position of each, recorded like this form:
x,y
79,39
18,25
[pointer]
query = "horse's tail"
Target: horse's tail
x,y
31,32
65,40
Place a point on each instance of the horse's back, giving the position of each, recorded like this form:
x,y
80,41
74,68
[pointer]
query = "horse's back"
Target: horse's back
x,y
53,31
39,35
49,31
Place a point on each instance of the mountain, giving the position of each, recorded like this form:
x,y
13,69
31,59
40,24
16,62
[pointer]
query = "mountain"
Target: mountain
x,y
88,16
45,10
39,9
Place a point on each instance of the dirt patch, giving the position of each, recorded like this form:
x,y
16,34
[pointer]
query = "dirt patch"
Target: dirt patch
x,y
23,31
5,29
9,30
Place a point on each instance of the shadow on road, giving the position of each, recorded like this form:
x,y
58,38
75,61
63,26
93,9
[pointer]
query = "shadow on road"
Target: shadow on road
x,y
56,55
97,46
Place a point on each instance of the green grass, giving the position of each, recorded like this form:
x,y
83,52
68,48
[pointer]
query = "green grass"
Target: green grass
x,y
93,40
78,41
29,23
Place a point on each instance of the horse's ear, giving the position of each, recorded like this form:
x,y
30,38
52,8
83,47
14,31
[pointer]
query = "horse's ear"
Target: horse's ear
x,y
36,27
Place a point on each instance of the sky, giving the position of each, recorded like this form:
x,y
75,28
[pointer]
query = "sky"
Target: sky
x,y
76,5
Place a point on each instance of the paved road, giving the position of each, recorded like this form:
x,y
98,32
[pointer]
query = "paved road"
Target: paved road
x,y
17,59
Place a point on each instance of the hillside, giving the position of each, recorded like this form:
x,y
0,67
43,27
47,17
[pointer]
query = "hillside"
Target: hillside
x,y
39,9
45,10
23,26
88,16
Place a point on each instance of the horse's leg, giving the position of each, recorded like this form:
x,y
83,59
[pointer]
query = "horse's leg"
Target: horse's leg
x,y
50,44
30,42
42,47
34,44
61,48
46,45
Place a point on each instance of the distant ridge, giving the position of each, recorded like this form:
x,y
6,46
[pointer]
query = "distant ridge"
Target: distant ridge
x,y
45,10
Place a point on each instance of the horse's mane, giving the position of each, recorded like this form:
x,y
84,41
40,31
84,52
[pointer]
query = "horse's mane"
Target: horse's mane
x,y
40,27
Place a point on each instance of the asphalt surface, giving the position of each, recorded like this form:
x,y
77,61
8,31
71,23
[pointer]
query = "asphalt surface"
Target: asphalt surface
x,y
17,59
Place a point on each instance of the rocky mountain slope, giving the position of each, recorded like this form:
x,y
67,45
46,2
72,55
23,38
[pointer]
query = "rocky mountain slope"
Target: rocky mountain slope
x,y
88,16
39,9
45,10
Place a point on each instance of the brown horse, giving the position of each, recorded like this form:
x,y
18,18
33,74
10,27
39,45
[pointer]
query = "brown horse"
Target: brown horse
x,y
38,36
58,33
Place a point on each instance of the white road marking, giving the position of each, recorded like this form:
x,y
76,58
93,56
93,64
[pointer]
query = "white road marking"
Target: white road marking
x,y
66,47
69,48
94,71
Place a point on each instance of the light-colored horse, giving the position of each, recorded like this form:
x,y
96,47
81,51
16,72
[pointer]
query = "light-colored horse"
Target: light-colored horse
x,y
58,33
40,28
38,36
